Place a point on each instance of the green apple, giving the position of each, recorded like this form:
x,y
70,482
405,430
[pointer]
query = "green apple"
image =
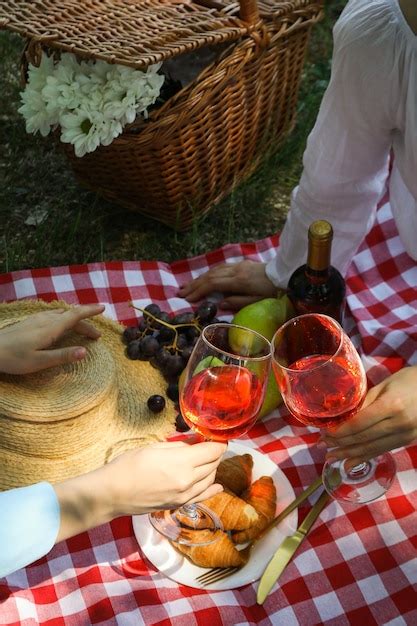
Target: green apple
x,y
272,398
208,361
264,316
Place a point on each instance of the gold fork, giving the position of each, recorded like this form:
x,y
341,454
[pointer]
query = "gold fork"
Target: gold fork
x,y
219,573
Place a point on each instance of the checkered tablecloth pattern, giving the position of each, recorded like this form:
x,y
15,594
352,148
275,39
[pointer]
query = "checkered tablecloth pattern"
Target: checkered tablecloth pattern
x,y
358,565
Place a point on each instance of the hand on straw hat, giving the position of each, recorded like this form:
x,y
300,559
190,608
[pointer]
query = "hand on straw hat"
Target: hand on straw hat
x,y
240,283
159,476
24,345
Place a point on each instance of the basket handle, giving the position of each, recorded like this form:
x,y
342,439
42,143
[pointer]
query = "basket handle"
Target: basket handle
x,y
249,11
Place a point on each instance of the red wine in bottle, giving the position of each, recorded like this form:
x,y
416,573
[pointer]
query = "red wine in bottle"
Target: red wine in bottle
x,y
317,286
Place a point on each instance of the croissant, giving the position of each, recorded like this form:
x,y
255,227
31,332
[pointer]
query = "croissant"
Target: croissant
x,y
234,513
262,496
220,553
235,473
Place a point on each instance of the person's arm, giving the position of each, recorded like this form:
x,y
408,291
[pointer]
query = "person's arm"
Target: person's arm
x,y
159,476
345,161
347,154
29,524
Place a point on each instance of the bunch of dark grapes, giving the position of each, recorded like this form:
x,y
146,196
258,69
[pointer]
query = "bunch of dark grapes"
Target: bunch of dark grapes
x,y
166,341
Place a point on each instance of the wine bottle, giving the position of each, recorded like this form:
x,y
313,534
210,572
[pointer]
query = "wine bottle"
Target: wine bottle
x,y
317,286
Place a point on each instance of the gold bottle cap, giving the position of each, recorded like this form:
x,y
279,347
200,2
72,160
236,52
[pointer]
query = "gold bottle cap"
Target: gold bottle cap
x,y
321,229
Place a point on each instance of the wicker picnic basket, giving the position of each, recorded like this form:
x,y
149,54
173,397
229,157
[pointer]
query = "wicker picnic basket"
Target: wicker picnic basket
x,y
210,135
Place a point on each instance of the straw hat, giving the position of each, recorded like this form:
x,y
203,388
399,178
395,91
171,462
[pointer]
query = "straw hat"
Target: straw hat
x,y
68,420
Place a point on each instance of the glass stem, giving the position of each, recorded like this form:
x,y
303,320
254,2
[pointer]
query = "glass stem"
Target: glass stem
x,y
190,510
360,471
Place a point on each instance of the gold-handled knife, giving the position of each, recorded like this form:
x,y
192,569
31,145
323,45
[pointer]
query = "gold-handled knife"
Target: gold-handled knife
x,y
287,548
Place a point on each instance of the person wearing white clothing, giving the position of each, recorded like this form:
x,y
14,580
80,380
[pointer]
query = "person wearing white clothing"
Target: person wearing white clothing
x,y
368,113
159,476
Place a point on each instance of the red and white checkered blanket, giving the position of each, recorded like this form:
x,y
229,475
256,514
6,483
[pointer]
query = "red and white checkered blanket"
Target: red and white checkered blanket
x,y
357,566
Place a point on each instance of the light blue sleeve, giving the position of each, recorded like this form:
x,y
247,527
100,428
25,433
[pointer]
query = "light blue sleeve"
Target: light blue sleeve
x,y
29,524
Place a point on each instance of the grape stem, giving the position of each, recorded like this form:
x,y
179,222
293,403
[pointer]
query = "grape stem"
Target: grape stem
x,y
173,327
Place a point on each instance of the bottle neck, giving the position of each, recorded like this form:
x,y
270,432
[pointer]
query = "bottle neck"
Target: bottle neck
x,y
318,257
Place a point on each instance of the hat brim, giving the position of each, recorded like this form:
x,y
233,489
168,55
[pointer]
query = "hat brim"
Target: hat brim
x,y
53,445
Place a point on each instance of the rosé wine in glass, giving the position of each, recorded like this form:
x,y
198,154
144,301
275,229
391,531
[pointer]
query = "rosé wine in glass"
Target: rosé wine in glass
x,y
210,409
323,383
330,395
223,390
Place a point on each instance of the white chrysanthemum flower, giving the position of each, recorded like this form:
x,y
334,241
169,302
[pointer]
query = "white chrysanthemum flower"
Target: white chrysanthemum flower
x,y
37,75
37,117
78,129
66,69
123,110
90,100
60,96
110,130
86,130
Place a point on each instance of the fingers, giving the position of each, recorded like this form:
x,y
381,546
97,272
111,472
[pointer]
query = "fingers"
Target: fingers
x,y
206,470
211,491
377,431
200,489
193,291
51,325
73,318
364,419
201,454
87,330
169,444
42,359
245,278
219,278
369,449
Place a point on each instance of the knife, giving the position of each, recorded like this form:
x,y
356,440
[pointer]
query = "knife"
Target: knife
x,y
287,548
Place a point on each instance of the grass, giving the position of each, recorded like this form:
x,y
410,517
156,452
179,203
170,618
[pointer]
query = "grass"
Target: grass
x,y
47,219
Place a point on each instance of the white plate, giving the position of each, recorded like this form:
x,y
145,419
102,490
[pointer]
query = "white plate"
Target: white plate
x,y
175,566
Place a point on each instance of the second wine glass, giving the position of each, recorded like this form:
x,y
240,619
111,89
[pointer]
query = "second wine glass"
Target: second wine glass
x,y
323,384
223,390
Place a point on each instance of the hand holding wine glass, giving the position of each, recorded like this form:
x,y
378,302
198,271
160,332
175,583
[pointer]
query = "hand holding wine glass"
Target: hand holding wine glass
x,y
387,420
323,384
223,390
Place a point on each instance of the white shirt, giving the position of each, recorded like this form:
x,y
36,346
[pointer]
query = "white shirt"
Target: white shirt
x,y
369,109
29,525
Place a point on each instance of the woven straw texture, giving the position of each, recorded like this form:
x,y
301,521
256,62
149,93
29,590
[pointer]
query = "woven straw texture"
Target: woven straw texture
x,y
72,419
212,134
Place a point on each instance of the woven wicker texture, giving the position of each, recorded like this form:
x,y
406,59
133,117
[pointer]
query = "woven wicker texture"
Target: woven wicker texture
x,y
212,134
137,33
69,420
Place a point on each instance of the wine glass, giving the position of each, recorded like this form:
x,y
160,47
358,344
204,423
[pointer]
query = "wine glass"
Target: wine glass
x,y
323,383
223,390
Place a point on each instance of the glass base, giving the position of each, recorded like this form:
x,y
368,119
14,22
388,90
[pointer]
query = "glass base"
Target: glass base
x,y
179,525
363,483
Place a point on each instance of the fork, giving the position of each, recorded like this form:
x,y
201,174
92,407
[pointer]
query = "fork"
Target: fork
x,y
216,574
